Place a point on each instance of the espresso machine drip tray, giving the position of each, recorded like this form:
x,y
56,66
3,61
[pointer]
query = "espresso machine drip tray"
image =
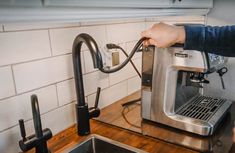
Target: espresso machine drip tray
x,y
201,107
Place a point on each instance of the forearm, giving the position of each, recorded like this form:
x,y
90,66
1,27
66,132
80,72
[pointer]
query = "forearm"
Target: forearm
x,y
217,40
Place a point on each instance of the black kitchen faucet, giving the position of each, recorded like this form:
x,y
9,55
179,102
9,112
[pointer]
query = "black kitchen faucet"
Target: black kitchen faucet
x,y
83,113
39,139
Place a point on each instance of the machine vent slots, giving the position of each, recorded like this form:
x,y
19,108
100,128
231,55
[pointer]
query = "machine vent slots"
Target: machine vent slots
x,y
201,107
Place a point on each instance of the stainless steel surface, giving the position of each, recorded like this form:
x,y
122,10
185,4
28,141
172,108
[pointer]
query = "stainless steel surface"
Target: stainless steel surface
x,y
170,88
219,142
99,144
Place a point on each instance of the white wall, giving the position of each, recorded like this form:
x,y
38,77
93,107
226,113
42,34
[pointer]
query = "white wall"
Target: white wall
x,y
222,14
36,59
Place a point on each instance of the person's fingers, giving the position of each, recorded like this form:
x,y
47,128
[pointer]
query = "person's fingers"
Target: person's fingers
x,y
146,33
153,42
146,43
234,134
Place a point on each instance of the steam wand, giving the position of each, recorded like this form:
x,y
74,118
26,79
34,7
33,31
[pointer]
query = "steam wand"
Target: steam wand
x,y
221,72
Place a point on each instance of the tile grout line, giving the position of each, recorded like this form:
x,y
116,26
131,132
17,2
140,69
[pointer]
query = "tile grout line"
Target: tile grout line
x,y
64,81
106,38
39,59
39,29
95,71
126,80
41,87
42,114
14,81
31,90
35,60
112,85
79,24
49,36
57,94
48,57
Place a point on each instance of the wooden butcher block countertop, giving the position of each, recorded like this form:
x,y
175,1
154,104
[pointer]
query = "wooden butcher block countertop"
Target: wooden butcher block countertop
x,y
69,138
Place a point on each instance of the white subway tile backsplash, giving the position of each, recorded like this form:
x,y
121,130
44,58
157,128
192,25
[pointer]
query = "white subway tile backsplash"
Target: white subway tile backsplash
x,y
12,136
62,39
96,32
56,120
36,74
35,26
6,81
59,119
120,33
66,92
109,95
134,84
88,62
15,108
123,74
28,50
23,46
94,80
138,63
130,46
9,140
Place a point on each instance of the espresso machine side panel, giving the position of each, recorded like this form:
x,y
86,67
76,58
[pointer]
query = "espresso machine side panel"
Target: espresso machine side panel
x,y
147,76
161,66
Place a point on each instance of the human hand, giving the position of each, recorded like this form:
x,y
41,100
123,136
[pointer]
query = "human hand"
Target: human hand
x,y
164,35
234,135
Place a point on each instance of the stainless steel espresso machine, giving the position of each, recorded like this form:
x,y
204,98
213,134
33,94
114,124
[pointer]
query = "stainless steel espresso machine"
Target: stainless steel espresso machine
x,y
172,89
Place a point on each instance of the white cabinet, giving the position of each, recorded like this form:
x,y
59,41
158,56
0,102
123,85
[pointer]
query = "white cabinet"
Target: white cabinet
x,y
132,3
192,3
93,10
20,3
110,3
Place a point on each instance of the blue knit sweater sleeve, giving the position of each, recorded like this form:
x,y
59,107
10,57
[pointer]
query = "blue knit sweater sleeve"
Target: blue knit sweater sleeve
x,y
216,40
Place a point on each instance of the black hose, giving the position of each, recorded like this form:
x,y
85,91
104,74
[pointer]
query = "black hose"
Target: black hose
x,y
132,63
136,47
131,102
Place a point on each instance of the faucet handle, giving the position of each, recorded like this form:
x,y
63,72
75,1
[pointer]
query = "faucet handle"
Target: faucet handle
x,y
97,97
95,111
22,129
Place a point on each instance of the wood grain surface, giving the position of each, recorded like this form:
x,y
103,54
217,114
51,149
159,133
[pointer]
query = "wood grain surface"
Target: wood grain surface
x,y
69,138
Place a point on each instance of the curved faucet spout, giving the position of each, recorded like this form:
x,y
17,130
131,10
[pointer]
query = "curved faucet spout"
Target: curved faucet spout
x,y
92,46
96,58
36,116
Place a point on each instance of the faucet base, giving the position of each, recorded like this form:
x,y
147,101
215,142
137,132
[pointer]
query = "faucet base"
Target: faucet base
x,y
83,124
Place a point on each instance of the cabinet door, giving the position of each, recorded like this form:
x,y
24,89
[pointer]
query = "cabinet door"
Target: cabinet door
x,y
109,3
20,3
192,3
